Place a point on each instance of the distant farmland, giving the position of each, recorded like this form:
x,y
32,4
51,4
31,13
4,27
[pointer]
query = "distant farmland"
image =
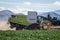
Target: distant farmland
x,y
30,35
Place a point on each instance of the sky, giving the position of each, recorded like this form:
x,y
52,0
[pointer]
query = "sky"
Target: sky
x,y
23,6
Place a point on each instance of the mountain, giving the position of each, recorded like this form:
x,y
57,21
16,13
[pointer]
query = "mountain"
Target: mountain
x,y
57,11
52,14
5,14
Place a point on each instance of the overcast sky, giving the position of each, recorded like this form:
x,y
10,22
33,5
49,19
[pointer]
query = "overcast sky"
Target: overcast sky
x,y
18,6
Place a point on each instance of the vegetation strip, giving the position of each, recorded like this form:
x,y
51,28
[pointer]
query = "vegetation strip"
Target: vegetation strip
x,y
30,35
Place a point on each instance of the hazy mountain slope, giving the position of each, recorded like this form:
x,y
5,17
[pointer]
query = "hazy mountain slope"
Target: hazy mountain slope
x,y
5,14
52,14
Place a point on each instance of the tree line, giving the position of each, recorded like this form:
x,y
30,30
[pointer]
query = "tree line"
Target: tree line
x,y
54,20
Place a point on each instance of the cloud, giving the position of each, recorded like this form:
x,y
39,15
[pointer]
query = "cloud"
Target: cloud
x,y
28,6
16,3
56,3
46,7
27,3
2,8
20,10
8,2
17,10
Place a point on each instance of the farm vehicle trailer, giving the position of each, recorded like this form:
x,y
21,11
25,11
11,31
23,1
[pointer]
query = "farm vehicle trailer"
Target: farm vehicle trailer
x,y
33,26
31,21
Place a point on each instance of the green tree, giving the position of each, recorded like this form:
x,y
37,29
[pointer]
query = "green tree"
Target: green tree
x,y
49,17
54,18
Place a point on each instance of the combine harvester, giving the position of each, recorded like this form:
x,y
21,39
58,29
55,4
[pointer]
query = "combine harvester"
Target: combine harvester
x,y
31,22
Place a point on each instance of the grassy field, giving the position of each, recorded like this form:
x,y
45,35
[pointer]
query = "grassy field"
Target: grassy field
x,y
30,35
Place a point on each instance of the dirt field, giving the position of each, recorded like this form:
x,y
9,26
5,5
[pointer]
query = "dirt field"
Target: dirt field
x,y
5,26
55,27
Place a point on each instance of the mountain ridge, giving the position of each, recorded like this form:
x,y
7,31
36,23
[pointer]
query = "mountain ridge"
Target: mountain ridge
x,y
52,14
5,14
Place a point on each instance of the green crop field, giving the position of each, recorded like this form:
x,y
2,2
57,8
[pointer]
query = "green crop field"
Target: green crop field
x,y
30,35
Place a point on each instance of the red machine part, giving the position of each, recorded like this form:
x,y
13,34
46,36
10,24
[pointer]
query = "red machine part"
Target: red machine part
x,y
49,24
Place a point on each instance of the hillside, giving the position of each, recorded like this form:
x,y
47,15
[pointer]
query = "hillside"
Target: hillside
x,y
5,14
52,14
